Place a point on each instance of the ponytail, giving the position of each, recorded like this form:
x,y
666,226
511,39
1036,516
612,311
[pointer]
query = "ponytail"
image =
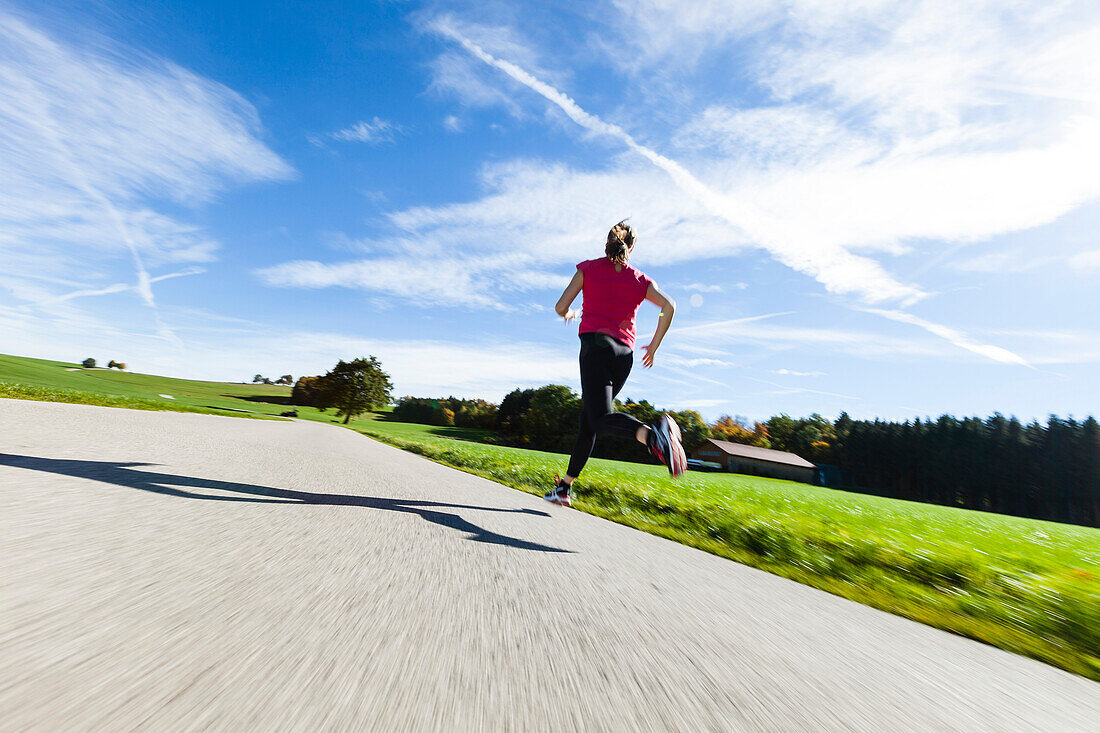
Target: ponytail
x,y
619,241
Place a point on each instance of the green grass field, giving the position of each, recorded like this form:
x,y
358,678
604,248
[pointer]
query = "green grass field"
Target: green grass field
x,y
1024,585
62,382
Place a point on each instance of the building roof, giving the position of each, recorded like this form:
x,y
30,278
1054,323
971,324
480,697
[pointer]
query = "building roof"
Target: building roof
x,y
760,454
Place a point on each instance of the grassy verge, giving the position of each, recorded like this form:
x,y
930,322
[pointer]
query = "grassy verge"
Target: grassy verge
x,y
55,394
1026,586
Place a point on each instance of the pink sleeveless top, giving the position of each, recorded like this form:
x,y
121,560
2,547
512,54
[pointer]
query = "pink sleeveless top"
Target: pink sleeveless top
x,y
611,298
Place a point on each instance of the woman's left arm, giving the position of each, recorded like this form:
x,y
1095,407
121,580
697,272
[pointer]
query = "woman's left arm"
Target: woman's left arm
x,y
572,290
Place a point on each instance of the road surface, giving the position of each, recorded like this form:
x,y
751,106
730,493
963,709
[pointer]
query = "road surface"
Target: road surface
x,y
171,571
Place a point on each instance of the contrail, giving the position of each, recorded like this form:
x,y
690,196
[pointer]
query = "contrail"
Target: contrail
x,y
80,179
960,339
837,269
181,273
747,319
116,288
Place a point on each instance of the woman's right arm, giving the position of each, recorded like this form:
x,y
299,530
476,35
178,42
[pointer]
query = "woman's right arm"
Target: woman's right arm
x,y
668,309
572,290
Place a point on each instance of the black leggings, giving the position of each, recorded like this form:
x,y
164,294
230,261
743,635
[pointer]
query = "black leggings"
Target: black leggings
x,y
605,365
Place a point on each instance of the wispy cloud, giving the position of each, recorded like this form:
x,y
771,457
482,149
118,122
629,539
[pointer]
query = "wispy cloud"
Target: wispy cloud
x,y
765,135
372,132
1086,261
837,268
786,388
485,369
489,252
427,282
92,135
792,373
713,339
1003,262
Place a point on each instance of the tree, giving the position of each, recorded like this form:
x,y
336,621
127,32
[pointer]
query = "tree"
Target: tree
x,y
551,421
355,386
511,411
730,429
307,391
644,411
476,414
112,364
258,379
285,379
88,363
694,430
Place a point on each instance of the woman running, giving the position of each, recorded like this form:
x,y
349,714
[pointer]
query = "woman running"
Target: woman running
x,y
613,290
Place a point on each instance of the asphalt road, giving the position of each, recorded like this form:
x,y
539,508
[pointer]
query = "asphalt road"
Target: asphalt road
x,y
168,571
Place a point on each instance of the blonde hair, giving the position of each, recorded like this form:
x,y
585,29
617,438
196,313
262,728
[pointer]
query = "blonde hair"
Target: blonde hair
x,y
619,241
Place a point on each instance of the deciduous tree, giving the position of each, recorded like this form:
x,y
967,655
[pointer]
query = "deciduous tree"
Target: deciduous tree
x,y
355,386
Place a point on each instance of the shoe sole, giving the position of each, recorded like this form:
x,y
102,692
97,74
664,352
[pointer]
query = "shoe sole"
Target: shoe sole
x,y
677,459
559,502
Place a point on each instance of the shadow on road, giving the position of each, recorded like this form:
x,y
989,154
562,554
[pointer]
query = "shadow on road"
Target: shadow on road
x,y
124,474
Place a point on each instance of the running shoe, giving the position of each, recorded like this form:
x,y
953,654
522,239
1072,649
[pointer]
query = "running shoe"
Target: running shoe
x,y
664,443
559,494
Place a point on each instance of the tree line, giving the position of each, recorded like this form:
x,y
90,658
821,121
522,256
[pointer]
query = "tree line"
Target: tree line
x,y
545,418
997,464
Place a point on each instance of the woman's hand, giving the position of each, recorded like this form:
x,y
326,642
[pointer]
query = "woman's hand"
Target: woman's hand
x,y
668,309
571,315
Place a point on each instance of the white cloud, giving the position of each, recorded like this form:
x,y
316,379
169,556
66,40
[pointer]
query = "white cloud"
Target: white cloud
x,y
452,123
837,269
766,135
712,339
418,367
427,282
90,136
1002,262
787,389
891,121
702,288
1054,346
532,224
1086,261
373,132
939,157
792,373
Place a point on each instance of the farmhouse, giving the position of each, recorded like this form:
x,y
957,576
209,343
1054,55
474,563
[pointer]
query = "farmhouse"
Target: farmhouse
x,y
749,459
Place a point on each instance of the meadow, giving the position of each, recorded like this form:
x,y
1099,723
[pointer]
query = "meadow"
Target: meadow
x,y
1024,585
56,381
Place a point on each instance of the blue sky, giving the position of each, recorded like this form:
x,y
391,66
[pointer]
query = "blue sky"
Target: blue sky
x,y
889,209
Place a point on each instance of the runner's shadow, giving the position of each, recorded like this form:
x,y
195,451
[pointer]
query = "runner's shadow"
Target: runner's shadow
x,y
125,474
